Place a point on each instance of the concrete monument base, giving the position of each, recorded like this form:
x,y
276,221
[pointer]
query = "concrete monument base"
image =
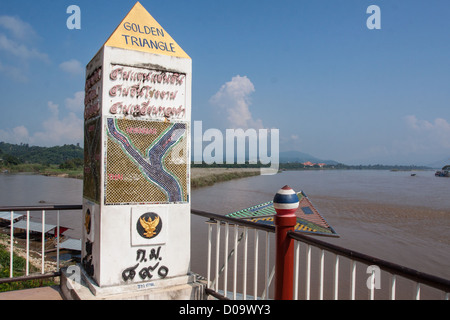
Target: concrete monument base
x,y
79,286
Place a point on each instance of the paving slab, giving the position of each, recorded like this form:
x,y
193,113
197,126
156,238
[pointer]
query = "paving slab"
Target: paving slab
x,y
43,293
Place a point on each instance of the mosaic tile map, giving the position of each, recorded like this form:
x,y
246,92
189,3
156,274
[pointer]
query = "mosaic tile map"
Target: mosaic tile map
x,y
146,162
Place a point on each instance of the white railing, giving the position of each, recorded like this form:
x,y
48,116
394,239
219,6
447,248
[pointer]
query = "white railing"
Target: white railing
x,y
240,263
22,221
230,261
376,278
322,270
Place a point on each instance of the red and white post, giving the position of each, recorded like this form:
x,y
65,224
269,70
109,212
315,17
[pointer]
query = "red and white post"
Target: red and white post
x,y
285,203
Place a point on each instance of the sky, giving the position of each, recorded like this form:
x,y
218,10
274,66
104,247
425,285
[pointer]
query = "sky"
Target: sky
x,y
334,87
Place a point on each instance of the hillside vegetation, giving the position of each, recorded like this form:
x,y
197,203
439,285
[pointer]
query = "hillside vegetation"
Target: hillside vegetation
x,y
64,160
23,153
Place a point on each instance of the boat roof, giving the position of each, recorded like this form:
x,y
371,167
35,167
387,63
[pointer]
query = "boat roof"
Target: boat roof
x,y
34,226
7,215
71,244
309,220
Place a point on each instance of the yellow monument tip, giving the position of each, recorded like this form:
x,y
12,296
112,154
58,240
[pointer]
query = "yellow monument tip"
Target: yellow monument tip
x,y
141,32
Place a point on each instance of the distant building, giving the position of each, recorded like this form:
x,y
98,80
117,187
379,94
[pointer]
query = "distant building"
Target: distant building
x,y
310,164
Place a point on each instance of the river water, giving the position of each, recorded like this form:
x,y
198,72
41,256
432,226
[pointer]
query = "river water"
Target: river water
x,y
390,215
394,216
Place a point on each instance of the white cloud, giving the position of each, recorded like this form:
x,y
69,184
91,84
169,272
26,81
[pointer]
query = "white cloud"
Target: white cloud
x,y
14,73
19,29
72,66
17,48
432,134
234,98
416,141
54,108
57,129
76,103
17,135
20,50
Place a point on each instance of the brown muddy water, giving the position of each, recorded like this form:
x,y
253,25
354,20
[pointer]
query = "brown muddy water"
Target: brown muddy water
x,y
393,216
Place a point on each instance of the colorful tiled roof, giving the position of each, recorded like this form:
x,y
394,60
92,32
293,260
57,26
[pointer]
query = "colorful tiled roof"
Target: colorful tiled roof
x,y
309,219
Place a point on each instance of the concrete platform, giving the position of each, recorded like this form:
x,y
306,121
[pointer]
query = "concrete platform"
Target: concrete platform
x,y
82,287
43,293
191,290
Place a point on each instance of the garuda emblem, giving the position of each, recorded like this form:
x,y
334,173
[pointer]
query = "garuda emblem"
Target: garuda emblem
x,y
149,225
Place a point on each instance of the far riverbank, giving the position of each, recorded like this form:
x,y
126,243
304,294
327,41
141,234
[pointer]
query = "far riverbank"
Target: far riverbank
x,y
204,177
200,177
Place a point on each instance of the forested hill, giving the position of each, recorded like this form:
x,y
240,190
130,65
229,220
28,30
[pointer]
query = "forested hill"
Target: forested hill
x,y
23,153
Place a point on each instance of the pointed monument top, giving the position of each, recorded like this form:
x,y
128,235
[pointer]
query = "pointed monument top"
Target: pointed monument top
x,y
141,32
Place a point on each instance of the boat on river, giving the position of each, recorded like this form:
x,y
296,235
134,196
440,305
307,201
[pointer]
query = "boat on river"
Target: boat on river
x,y
444,172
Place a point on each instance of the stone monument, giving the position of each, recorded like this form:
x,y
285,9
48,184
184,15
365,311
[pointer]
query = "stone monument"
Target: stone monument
x,y
136,190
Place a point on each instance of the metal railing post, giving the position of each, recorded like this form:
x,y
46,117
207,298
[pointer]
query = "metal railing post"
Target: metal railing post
x,y
285,203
